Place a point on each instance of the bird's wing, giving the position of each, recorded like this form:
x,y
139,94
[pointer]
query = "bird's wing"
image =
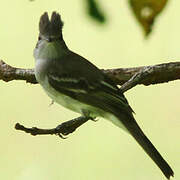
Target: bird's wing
x,y
86,83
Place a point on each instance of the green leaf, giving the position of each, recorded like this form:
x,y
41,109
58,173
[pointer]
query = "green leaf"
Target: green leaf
x,y
95,12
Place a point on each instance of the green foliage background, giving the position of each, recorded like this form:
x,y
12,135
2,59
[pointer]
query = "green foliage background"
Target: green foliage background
x,y
97,150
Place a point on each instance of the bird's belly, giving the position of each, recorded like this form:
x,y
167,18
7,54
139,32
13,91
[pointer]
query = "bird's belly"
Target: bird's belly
x,y
77,106
69,102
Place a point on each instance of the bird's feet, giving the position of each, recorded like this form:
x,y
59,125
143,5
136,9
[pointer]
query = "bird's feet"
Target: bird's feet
x,y
68,127
64,129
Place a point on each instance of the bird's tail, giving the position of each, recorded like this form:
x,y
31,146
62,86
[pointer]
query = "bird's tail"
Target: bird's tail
x,y
134,129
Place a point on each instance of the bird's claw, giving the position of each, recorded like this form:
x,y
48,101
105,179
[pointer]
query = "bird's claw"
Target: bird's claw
x,y
52,102
94,119
61,136
64,129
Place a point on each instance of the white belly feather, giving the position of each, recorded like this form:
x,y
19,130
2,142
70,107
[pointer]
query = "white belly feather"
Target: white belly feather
x,y
71,103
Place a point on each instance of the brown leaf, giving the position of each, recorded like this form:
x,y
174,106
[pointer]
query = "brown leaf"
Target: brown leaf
x,y
146,11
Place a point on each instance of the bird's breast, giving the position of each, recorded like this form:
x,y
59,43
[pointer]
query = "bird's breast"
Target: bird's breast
x,y
41,66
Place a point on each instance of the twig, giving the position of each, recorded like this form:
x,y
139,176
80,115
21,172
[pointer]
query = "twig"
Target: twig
x,y
137,77
61,130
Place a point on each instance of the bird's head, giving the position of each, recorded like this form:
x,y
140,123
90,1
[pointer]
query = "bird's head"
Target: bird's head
x,y
50,29
50,43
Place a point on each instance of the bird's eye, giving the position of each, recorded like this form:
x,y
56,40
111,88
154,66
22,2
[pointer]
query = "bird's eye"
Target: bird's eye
x,y
39,38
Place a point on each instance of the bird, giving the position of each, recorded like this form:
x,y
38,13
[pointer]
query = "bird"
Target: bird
x,y
75,83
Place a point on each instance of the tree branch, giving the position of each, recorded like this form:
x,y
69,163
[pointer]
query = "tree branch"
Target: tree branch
x,y
61,130
154,74
145,75
9,73
127,77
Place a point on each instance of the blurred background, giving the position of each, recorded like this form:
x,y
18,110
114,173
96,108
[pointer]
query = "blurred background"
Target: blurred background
x,y
97,150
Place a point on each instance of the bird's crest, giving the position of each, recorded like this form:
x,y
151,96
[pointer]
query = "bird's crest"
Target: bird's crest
x,y
51,27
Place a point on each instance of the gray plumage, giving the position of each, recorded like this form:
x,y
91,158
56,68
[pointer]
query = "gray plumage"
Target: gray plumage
x,y
75,83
